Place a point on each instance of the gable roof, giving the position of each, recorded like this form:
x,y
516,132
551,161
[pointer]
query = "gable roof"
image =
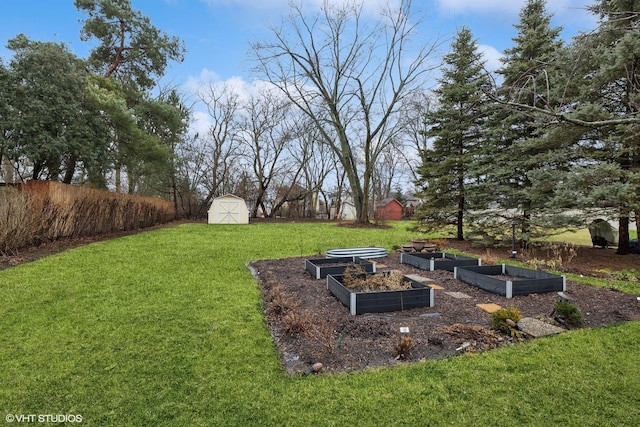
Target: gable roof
x,y
388,200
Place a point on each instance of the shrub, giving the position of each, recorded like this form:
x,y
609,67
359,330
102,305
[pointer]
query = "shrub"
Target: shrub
x,y
505,319
41,211
568,312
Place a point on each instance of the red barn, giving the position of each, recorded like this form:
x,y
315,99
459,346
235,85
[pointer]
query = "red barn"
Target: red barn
x,y
389,209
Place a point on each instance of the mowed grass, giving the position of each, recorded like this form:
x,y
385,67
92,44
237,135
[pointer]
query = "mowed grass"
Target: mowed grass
x,y
580,237
166,328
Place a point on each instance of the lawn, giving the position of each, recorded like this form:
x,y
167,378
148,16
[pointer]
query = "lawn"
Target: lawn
x,y
165,328
580,237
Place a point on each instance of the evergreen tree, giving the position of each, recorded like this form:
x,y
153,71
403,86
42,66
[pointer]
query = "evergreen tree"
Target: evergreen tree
x,y
517,143
132,51
456,129
607,83
50,124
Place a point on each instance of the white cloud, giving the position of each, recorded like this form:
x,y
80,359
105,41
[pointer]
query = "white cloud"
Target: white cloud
x,y
491,56
209,81
200,123
206,76
198,86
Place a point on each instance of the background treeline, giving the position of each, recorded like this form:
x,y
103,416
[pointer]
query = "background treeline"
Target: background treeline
x,y
549,140
43,211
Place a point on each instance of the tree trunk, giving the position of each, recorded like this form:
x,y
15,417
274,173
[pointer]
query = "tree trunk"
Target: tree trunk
x,y
174,191
118,171
70,170
461,201
623,236
460,233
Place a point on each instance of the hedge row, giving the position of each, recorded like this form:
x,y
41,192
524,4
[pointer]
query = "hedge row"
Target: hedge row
x,y
46,210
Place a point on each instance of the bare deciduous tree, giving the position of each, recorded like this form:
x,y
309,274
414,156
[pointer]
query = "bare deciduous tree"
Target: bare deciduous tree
x,y
220,144
266,133
349,75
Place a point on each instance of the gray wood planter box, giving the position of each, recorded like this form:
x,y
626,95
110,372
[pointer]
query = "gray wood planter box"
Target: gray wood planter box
x,y
437,260
321,267
528,281
381,301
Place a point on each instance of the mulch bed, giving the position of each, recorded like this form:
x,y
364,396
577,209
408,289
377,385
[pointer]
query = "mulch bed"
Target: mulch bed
x,y
310,325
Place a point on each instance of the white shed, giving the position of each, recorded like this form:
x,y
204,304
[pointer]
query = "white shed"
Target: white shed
x,y
228,209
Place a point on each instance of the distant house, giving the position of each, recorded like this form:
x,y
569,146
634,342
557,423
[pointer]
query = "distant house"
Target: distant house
x,y
389,209
347,212
228,209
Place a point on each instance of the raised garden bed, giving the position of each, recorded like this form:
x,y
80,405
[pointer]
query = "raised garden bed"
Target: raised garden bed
x,y
321,267
438,260
522,281
419,295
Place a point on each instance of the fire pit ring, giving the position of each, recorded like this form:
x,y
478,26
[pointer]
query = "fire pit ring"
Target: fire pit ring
x,y
365,253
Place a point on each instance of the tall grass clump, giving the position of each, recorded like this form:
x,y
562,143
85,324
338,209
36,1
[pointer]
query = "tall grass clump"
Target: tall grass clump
x,y
47,210
18,220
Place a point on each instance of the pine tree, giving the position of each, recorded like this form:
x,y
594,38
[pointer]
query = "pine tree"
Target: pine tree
x,y
608,86
456,129
517,142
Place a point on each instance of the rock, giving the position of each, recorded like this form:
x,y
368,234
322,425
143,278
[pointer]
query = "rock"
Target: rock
x,y
314,369
537,328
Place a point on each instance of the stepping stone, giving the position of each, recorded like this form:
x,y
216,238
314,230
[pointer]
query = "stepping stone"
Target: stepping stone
x,y
380,266
489,308
458,295
537,328
425,280
430,315
419,278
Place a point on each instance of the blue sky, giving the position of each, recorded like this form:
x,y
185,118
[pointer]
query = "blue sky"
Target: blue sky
x,y
217,33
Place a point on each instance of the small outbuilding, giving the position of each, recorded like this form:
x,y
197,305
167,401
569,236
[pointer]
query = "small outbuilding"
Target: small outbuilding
x,y
389,209
228,209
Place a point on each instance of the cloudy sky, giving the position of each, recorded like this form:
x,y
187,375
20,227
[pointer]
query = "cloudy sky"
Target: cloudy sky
x,y
217,33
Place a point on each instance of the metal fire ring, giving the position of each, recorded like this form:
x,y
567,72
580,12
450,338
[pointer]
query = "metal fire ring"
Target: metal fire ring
x,y
365,253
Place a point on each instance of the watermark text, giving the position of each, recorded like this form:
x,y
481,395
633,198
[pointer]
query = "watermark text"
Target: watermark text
x,y
43,418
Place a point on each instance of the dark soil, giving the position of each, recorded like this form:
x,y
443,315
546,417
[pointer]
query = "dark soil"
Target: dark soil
x,y
310,325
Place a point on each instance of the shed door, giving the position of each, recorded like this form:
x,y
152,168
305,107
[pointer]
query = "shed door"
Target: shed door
x,y
228,212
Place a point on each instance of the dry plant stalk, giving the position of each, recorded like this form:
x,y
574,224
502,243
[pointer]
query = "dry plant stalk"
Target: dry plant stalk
x,y
355,278
403,348
560,255
489,258
440,244
323,331
295,322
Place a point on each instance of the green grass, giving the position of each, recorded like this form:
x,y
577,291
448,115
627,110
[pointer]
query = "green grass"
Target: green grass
x,y
165,328
580,237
